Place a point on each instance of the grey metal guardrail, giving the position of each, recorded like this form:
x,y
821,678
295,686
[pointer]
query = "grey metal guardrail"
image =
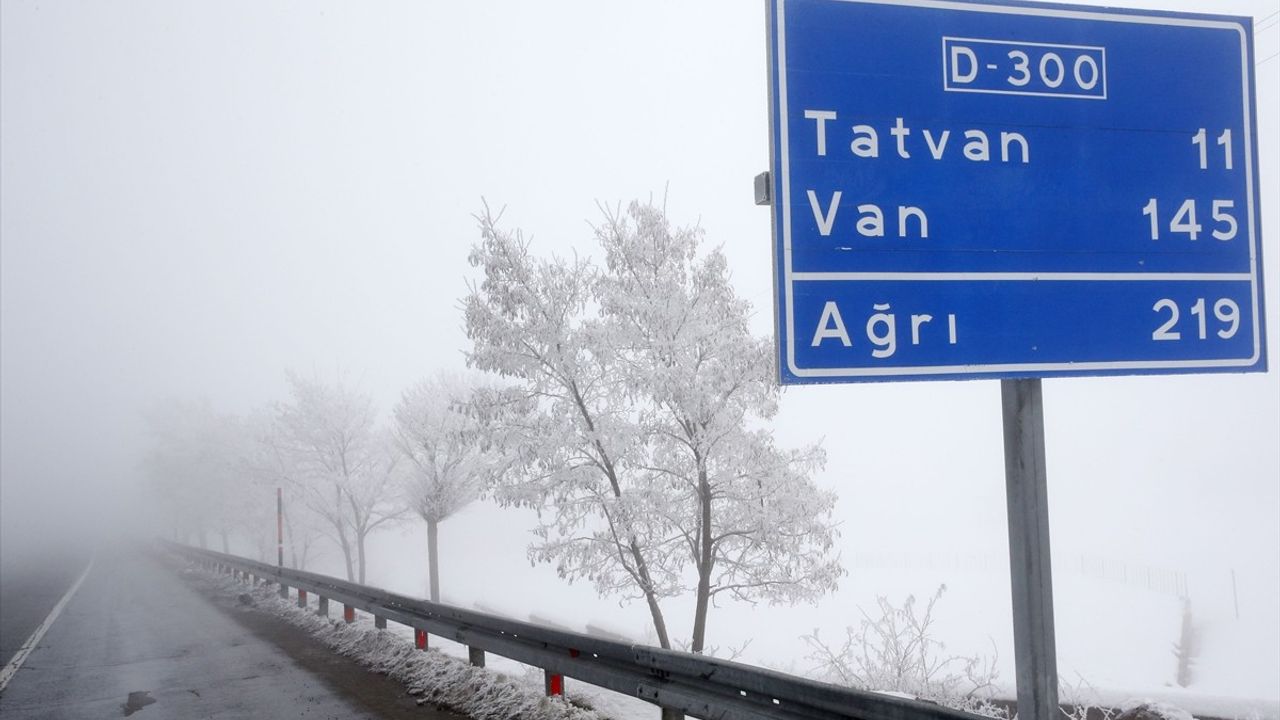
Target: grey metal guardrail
x,y
678,682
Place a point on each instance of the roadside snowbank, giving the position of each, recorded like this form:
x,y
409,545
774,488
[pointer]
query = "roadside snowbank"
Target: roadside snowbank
x,y
432,676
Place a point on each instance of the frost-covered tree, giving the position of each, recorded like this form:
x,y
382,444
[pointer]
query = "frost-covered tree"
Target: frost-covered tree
x,y
747,514
637,394
343,462
218,473
193,467
251,510
443,459
273,468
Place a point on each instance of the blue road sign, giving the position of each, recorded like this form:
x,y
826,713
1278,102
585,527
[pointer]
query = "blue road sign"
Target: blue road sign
x,y
969,190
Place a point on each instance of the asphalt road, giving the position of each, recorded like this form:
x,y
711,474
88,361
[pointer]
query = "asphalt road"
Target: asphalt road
x,y
29,588
138,641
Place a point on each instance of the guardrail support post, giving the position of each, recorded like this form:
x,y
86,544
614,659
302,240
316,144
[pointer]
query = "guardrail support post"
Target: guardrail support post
x,y
379,622
554,684
322,606
348,614
302,598
420,638
284,591
476,656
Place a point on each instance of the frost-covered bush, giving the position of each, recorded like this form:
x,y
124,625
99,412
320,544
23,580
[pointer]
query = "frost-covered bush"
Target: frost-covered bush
x,y
1081,701
1152,710
896,651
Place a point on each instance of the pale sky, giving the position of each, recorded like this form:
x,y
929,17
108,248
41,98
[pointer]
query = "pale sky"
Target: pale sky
x,y
198,196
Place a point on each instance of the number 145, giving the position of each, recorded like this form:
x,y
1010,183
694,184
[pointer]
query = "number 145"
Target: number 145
x,y
1184,221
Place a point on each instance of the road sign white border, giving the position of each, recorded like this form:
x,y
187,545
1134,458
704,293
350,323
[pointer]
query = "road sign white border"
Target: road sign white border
x,y
780,107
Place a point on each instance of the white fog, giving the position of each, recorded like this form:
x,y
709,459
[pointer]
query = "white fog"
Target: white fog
x,y
209,209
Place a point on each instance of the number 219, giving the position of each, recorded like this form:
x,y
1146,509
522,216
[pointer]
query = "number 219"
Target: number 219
x,y
1225,310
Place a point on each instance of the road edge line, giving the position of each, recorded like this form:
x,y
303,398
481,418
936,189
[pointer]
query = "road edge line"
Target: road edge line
x,y
20,656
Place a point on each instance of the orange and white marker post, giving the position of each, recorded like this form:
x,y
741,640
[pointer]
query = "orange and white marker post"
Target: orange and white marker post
x,y
280,527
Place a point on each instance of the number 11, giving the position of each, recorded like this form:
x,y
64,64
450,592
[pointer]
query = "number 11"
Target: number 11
x,y
1201,140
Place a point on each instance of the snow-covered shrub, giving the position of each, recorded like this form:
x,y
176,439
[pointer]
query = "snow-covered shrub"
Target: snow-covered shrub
x,y
1152,710
1081,701
896,652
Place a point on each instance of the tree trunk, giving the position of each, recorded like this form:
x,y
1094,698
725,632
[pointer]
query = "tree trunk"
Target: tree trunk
x,y
293,542
659,622
340,524
646,586
346,556
642,568
360,550
293,547
433,559
704,562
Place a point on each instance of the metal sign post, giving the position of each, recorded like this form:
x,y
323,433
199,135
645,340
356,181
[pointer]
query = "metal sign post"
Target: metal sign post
x,y
1029,566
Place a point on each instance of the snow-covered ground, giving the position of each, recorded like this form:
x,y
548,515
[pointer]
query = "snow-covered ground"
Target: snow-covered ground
x,y
502,689
1117,621
392,648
